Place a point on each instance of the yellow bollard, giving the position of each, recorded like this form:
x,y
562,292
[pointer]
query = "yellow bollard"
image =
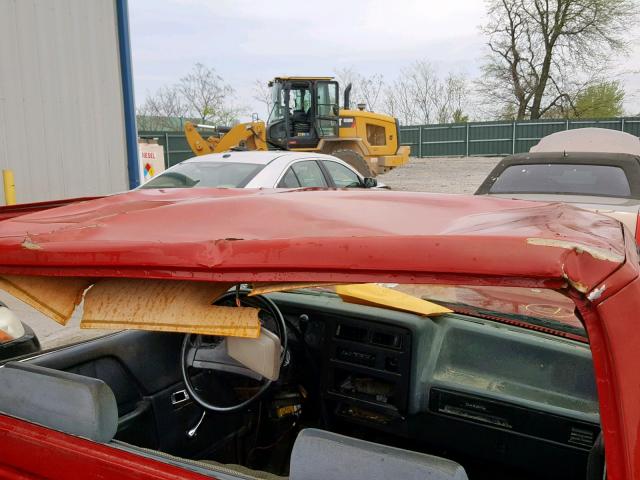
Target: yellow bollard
x,y
9,187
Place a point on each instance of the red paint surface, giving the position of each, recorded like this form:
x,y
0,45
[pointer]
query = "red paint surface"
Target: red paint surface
x,y
617,339
245,235
234,235
25,208
34,452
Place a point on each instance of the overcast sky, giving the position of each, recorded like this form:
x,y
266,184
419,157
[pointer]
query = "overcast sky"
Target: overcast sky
x,y
248,40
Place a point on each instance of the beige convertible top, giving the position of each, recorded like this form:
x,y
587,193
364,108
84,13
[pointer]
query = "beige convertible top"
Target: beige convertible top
x,y
601,140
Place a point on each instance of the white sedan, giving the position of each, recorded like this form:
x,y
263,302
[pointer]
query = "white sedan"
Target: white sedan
x,y
272,169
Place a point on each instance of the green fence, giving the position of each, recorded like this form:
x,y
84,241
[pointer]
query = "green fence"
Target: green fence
x,y
497,138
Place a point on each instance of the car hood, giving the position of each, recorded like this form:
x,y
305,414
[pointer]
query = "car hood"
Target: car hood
x,y
355,236
624,210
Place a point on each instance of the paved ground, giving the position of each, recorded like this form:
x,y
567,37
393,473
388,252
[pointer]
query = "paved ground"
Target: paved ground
x,y
442,175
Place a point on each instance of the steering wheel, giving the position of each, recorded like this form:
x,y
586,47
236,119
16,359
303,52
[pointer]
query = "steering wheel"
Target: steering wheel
x,y
209,353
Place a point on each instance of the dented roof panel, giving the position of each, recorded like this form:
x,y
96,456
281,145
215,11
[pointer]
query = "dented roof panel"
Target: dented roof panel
x,y
311,236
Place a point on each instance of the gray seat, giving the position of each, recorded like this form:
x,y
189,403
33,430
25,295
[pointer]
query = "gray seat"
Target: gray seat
x,y
322,455
86,407
71,403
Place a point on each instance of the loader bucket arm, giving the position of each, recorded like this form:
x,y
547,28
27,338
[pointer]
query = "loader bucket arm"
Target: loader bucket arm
x,y
198,145
248,136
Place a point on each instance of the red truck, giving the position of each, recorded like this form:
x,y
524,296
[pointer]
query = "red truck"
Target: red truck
x,y
532,372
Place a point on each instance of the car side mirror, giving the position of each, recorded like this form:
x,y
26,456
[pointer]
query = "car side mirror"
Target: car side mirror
x,y
369,182
16,338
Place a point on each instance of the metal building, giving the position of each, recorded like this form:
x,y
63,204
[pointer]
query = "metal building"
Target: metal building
x,y
67,120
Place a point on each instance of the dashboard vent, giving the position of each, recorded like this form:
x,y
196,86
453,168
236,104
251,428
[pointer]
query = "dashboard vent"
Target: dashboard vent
x,y
379,338
389,340
581,437
351,332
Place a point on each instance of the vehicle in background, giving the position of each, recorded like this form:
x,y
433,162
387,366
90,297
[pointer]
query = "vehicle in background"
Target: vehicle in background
x,y
16,338
271,169
306,117
603,140
592,168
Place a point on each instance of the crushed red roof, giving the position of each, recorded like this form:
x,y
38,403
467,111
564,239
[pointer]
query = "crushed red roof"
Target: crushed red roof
x,y
261,235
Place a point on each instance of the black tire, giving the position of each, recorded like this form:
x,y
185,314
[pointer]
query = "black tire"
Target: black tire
x,y
356,160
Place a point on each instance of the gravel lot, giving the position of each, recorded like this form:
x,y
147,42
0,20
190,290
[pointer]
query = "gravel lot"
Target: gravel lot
x,y
441,175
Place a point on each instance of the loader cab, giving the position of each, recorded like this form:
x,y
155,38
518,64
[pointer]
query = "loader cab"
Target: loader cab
x,y
304,111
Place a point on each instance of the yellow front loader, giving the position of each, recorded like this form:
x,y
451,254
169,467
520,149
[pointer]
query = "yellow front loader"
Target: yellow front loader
x,y
306,117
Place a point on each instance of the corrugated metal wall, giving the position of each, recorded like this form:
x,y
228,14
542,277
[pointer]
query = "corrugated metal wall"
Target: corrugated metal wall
x,y
61,109
496,138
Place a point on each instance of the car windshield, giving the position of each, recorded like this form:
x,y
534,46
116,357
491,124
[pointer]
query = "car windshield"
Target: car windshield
x,y
206,174
571,179
534,308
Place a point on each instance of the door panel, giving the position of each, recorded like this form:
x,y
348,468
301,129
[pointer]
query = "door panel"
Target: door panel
x,y
142,369
30,451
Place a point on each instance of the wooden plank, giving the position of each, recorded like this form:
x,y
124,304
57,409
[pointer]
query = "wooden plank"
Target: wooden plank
x,y
166,306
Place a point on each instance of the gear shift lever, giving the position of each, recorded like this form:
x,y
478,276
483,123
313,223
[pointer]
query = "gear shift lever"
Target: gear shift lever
x,y
192,433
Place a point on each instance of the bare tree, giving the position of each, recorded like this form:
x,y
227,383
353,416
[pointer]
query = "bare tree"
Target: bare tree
x,y
390,104
399,102
262,94
364,89
346,76
159,111
543,53
369,90
201,95
451,98
207,96
421,96
423,88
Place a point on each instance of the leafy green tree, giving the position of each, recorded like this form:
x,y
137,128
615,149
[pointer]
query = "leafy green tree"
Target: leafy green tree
x,y
600,101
